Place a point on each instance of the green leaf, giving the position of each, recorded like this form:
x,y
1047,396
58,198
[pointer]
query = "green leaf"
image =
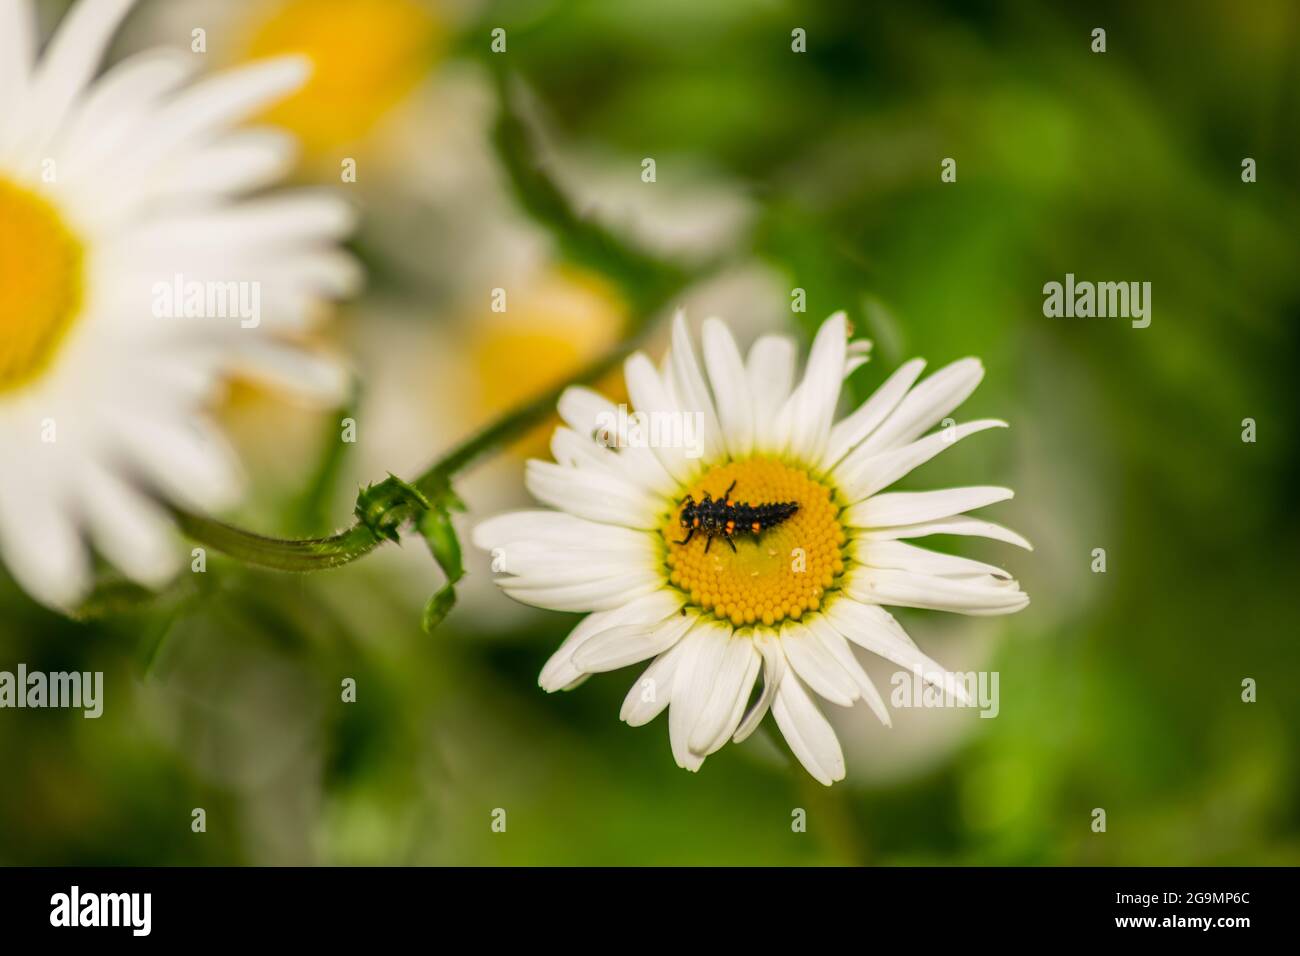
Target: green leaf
x,y
438,607
436,528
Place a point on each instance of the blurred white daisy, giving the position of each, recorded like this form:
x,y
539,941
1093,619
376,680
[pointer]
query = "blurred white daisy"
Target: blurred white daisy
x,y
132,280
782,593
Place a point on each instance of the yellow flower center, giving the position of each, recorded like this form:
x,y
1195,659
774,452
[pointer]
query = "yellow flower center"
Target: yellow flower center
x,y
780,572
40,284
366,56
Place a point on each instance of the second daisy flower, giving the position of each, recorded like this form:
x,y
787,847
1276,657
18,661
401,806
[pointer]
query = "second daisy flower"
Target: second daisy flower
x,y
783,596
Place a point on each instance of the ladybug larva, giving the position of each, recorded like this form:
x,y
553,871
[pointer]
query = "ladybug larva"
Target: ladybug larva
x,y
725,518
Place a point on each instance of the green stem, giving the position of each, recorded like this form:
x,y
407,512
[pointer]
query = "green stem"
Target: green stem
x,y
282,554
363,536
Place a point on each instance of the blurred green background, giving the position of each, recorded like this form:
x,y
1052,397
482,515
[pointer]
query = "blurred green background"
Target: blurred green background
x,y
775,170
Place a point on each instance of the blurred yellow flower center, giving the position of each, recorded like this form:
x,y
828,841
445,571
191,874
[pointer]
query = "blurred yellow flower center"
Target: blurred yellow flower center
x,y
782,572
551,328
40,284
366,56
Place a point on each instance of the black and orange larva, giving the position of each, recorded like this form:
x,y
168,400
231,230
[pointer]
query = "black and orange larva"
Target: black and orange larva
x,y
725,518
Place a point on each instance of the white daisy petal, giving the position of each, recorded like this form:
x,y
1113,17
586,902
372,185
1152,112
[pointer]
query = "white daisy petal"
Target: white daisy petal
x,y
770,370
819,392
589,414
118,104
653,689
214,104
651,396
637,467
858,355
131,531
861,478
875,629
283,219
774,665
240,162
838,648
908,557
559,672
41,545
554,529
571,450
190,463
925,406
526,558
754,664
847,433
854,363
809,734
538,567
630,644
914,507
727,695
691,390
959,525
980,596
582,409
730,387
597,594
589,494
702,652
17,48
815,665
66,67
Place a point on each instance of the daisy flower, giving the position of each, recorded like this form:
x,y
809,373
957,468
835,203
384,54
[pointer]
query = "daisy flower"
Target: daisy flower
x,y
114,193
766,544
